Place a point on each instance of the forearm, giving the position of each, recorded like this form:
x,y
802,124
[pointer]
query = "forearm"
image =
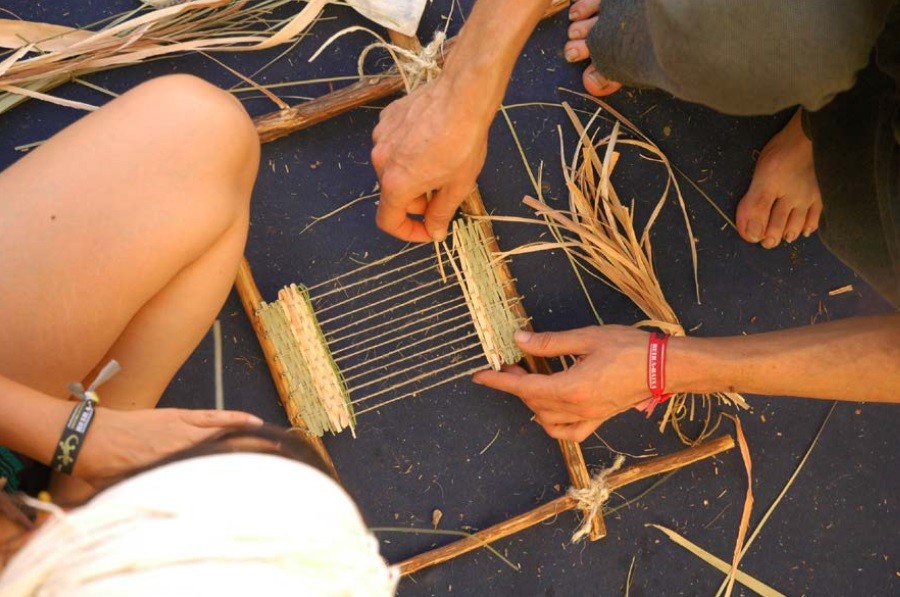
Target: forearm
x,y
854,359
31,421
479,68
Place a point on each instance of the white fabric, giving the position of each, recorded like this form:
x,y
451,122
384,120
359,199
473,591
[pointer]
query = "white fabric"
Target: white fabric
x,y
228,524
399,15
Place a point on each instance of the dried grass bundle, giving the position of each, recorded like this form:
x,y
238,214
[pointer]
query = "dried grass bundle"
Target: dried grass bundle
x,y
42,56
598,233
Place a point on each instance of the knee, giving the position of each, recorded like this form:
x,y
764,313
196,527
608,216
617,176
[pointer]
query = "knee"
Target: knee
x,y
203,123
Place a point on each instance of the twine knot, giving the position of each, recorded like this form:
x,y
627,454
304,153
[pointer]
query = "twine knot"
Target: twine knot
x,y
591,498
415,68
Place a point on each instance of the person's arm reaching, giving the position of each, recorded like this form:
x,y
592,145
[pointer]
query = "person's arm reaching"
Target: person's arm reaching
x,y
118,441
856,359
435,139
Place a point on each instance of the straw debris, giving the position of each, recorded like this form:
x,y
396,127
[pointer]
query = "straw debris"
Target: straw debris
x,y
43,56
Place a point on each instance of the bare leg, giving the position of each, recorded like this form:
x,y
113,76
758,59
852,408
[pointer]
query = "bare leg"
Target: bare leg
x,y
121,237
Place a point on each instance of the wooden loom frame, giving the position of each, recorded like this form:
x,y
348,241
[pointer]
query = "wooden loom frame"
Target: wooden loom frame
x,y
280,123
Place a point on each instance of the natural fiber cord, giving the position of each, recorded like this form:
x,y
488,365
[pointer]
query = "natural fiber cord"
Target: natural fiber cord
x,y
591,498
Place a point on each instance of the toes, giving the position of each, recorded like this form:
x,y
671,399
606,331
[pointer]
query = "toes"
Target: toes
x,y
598,85
583,9
812,219
794,226
778,219
753,214
576,51
580,29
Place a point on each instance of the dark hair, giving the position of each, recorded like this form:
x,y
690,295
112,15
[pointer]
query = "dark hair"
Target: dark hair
x,y
288,443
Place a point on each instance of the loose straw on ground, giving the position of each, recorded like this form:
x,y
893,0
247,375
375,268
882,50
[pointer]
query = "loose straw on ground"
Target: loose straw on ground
x,y
742,577
783,491
44,56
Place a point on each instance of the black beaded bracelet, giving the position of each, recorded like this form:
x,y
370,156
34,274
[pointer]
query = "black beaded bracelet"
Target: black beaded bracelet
x,y
73,437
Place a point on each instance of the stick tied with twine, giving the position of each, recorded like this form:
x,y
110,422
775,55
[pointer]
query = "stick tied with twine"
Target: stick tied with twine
x,y
416,68
591,499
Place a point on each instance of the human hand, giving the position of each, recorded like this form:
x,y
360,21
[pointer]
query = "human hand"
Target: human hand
x,y
609,378
431,142
120,441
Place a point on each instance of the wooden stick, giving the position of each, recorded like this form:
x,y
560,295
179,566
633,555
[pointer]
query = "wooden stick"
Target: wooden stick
x,y
251,299
281,123
407,42
473,205
565,503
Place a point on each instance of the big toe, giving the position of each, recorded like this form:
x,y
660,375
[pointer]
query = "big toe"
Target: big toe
x,y
583,9
753,215
598,85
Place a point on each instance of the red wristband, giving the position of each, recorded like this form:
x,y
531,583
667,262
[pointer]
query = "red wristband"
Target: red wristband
x,y
656,371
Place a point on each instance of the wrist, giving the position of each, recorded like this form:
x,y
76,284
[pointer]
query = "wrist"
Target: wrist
x,y
695,365
471,94
478,69
73,436
32,420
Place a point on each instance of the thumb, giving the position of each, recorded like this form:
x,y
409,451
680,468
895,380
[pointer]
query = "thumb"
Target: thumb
x,y
441,210
554,344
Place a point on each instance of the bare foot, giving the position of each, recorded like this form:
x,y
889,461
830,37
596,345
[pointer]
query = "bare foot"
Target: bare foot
x,y
583,15
783,200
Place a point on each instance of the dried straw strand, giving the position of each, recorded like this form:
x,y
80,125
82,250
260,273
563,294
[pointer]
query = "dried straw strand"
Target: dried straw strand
x,y
44,56
720,565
